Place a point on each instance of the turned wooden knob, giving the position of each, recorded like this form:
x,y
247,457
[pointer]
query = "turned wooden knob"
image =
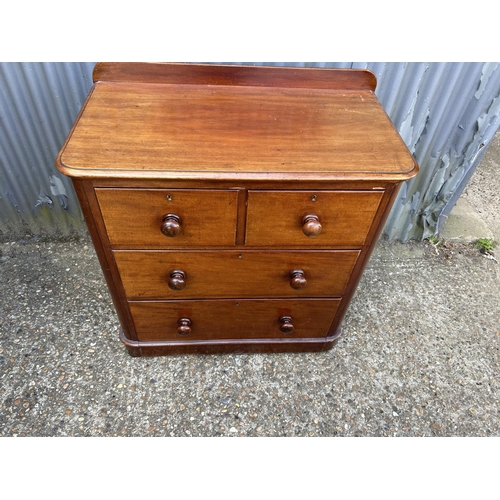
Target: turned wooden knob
x,y
286,326
171,225
184,327
177,280
311,225
297,279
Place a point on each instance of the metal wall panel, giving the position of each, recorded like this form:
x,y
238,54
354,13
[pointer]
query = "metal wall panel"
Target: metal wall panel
x,y
447,113
38,104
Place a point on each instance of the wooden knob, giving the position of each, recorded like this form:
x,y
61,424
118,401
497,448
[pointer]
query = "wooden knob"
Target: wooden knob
x,y
298,279
311,225
184,327
286,326
171,225
177,280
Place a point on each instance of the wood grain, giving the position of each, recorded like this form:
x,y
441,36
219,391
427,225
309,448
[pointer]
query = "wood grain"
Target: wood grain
x,y
134,217
232,319
90,209
275,218
225,346
217,74
246,162
226,273
154,130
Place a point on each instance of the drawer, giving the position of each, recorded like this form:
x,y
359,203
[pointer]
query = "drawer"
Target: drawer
x,y
232,319
227,273
201,217
280,218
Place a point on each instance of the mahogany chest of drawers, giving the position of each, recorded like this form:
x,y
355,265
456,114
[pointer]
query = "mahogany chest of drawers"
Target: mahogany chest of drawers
x,y
233,208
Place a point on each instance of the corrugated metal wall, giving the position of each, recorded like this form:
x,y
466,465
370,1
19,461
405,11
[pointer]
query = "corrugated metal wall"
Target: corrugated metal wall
x,y
447,113
38,104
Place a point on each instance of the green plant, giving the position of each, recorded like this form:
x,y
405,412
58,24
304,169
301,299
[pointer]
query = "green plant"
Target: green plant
x,y
485,244
435,240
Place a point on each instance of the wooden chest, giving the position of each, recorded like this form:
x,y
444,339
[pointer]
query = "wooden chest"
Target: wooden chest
x,y
233,208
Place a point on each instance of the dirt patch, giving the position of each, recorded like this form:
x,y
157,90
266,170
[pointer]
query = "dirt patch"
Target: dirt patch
x,y
442,249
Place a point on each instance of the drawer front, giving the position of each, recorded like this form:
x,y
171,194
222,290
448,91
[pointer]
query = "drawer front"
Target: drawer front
x,y
232,319
280,218
226,274
136,217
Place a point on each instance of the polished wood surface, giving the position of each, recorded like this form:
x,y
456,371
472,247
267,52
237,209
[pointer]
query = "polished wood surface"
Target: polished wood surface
x,y
233,346
135,217
171,225
153,130
232,319
226,273
286,325
233,209
311,226
298,280
276,218
86,196
184,326
240,75
177,280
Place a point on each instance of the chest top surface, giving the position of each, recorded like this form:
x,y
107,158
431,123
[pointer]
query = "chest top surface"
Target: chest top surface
x,y
286,126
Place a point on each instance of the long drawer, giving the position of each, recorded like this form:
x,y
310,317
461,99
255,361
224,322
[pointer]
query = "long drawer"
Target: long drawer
x,y
232,319
229,273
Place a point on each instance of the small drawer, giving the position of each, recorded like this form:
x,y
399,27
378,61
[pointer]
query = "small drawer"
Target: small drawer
x,y
310,218
226,274
232,319
168,218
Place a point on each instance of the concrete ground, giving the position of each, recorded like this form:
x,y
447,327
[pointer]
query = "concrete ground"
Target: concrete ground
x,y
477,212
419,356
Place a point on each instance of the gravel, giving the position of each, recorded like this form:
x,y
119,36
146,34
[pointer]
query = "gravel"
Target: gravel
x,y
419,357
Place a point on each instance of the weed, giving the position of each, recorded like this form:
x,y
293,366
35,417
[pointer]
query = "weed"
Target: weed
x,y
485,245
435,240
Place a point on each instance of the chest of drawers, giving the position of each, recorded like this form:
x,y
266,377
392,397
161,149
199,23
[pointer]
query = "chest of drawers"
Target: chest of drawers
x,y
233,208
